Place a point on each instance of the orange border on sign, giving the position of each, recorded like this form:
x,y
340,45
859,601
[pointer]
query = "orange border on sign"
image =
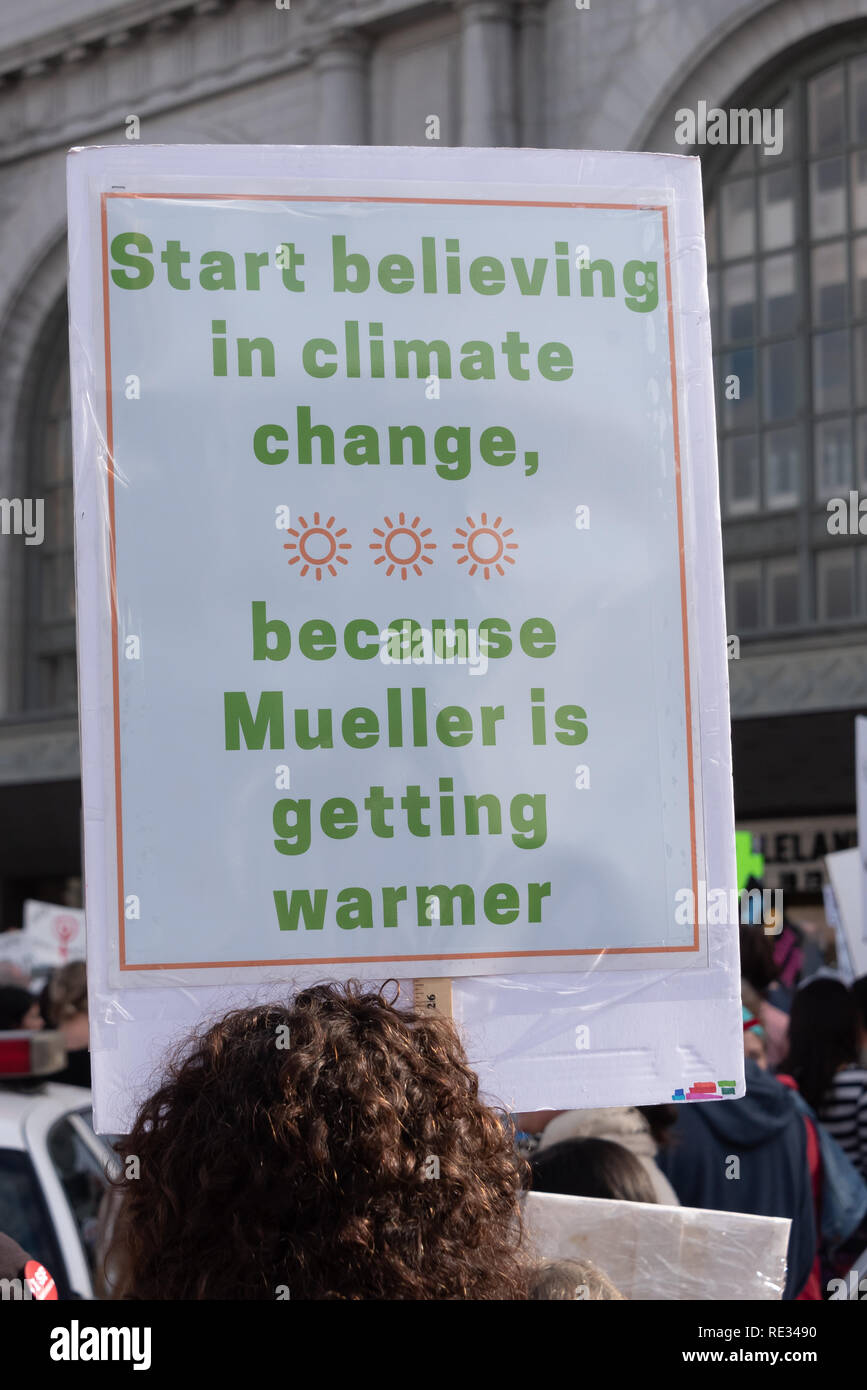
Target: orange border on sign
x,y
375,960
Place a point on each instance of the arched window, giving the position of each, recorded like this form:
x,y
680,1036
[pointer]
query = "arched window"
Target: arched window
x,y
50,675
787,257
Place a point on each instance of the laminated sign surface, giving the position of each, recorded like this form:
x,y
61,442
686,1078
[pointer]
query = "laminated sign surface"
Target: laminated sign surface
x,y
401,633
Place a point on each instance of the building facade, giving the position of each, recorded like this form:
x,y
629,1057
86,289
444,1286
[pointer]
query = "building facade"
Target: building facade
x,y
787,250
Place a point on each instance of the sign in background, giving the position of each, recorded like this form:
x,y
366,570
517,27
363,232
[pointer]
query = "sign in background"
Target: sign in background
x,y
53,935
845,874
343,414
793,849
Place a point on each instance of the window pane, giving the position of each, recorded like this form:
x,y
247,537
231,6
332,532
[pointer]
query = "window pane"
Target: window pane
x,y
860,364
862,451
781,380
743,610
784,130
830,283
836,584
780,312
768,461
739,302
747,604
782,468
744,161
833,458
738,219
739,376
831,370
828,198
783,593
83,1182
859,261
778,209
741,470
858,99
859,188
825,111
24,1216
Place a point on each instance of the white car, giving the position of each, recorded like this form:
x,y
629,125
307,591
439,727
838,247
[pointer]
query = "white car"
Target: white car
x,y
55,1194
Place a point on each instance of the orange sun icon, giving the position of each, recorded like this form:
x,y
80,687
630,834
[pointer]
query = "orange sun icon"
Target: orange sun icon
x,y
485,546
317,546
403,545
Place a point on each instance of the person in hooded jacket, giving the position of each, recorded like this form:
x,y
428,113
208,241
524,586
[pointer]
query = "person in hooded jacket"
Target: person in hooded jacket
x,y
765,1131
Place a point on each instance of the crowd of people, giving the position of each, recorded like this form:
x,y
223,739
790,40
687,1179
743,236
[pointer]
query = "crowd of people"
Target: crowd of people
x,y
362,1162
794,1146
60,1004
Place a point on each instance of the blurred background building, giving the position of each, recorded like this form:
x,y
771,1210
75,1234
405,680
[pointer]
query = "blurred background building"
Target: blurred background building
x,y
787,245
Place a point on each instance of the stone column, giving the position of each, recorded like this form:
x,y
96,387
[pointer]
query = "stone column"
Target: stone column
x,y
488,77
342,89
531,78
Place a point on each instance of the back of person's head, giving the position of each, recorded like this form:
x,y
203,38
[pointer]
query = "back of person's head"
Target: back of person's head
x,y
859,994
15,1004
823,1036
12,974
758,966
661,1121
66,992
567,1280
332,1148
591,1168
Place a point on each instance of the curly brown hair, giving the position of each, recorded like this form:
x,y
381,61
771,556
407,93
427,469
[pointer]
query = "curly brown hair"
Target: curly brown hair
x,y
348,1158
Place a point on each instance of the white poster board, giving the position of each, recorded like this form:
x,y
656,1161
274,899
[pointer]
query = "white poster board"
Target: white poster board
x,y
650,1252
14,958
401,626
53,935
832,916
844,870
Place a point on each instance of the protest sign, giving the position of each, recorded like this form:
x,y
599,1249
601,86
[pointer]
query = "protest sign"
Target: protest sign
x,y
14,957
402,646
53,935
845,871
841,949
656,1252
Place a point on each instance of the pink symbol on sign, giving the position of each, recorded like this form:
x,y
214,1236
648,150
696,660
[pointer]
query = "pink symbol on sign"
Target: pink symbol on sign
x,y
65,929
